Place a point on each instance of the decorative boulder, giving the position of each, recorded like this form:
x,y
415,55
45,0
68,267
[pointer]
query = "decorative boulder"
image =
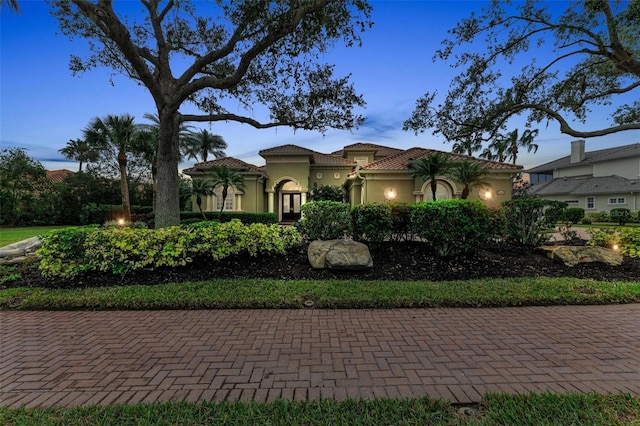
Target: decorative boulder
x,y
572,255
339,254
19,252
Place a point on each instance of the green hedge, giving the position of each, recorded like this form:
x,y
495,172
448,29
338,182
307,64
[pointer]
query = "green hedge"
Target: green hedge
x,y
244,217
452,227
69,252
371,222
325,220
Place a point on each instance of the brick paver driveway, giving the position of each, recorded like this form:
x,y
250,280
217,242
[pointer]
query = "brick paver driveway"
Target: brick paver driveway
x,y
76,358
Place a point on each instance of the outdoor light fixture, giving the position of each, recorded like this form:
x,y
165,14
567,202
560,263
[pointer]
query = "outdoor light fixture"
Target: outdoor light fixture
x,y
615,247
390,194
121,222
485,194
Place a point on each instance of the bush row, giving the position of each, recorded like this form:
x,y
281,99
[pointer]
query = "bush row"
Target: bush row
x,y
619,215
69,252
627,240
448,226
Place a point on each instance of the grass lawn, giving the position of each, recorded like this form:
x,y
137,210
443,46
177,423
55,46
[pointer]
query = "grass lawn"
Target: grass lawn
x,y
496,409
266,293
13,235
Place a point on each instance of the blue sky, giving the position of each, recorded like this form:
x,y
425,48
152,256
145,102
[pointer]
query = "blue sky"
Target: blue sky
x,y
42,105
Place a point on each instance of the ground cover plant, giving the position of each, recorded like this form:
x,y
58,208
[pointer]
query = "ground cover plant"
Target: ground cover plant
x,y
496,409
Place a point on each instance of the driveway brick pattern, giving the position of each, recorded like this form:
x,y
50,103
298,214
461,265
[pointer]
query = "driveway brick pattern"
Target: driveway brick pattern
x,y
64,359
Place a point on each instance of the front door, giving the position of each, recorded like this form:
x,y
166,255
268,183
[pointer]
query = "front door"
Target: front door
x,y
291,207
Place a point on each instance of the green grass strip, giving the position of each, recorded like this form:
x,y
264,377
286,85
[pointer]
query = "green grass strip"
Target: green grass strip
x,y
262,293
497,409
13,235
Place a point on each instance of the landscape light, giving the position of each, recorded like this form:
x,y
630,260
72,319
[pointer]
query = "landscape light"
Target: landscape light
x,y
615,247
121,222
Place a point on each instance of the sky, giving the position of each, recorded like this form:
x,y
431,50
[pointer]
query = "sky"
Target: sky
x,y
42,105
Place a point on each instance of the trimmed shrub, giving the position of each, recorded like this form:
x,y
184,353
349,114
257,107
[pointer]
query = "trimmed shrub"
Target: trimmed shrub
x,y
244,217
401,228
62,252
452,226
573,214
371,222
586,220
327,193
598,216
325,220
70,252
620,215
527,219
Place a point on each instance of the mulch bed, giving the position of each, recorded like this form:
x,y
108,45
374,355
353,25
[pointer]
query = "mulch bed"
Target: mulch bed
x,y
408,261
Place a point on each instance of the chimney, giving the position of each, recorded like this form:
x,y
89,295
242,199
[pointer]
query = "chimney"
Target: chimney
x,y
577,151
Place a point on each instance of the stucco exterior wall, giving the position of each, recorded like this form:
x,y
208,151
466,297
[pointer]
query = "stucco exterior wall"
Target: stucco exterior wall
x,y
253,198
582,170
335,176
601,201
293,168
626,167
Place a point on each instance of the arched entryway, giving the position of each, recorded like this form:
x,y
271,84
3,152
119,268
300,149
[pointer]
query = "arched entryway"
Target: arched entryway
x,y
444,191
289,196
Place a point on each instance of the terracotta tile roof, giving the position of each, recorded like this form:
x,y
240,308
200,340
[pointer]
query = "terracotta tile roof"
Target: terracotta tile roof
x,y
57,176
380,150
316,157
591,157
401,161
226,161
286,149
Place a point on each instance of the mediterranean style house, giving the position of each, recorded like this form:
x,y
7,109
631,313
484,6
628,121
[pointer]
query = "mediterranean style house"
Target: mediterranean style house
x,y
595,180
367,172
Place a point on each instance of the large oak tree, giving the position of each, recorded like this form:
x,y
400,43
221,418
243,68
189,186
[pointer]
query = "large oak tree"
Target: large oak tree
x,y
594,61
220,53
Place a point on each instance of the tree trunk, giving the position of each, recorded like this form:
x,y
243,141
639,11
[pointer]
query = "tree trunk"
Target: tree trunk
x,y
124,186
154,183
465,192
434,187
168,195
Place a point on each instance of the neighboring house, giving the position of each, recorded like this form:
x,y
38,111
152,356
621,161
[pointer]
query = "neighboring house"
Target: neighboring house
x,y
596,180
57,176
367,172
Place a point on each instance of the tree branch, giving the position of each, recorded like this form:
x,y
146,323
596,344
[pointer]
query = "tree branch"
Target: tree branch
x,y
245,120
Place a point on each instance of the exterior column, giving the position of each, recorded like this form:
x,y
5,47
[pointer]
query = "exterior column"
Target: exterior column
x,y
418,198
303,198
238,202
271,202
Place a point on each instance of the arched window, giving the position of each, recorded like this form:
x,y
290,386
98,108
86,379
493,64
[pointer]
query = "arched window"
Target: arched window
x,y
228,204
443,191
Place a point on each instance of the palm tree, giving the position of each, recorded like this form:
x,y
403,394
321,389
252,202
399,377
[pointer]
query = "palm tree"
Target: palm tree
x,y
468,146
147,145
497,150
11,4
81,151
201,144
468,174
525,141
199,188
115,132
225,177
507,146
430,168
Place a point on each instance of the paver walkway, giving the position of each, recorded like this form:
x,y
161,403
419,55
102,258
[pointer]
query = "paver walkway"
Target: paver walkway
x,y
76,358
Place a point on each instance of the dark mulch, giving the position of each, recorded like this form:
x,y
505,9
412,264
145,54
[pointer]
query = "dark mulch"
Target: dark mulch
x,y
392,261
